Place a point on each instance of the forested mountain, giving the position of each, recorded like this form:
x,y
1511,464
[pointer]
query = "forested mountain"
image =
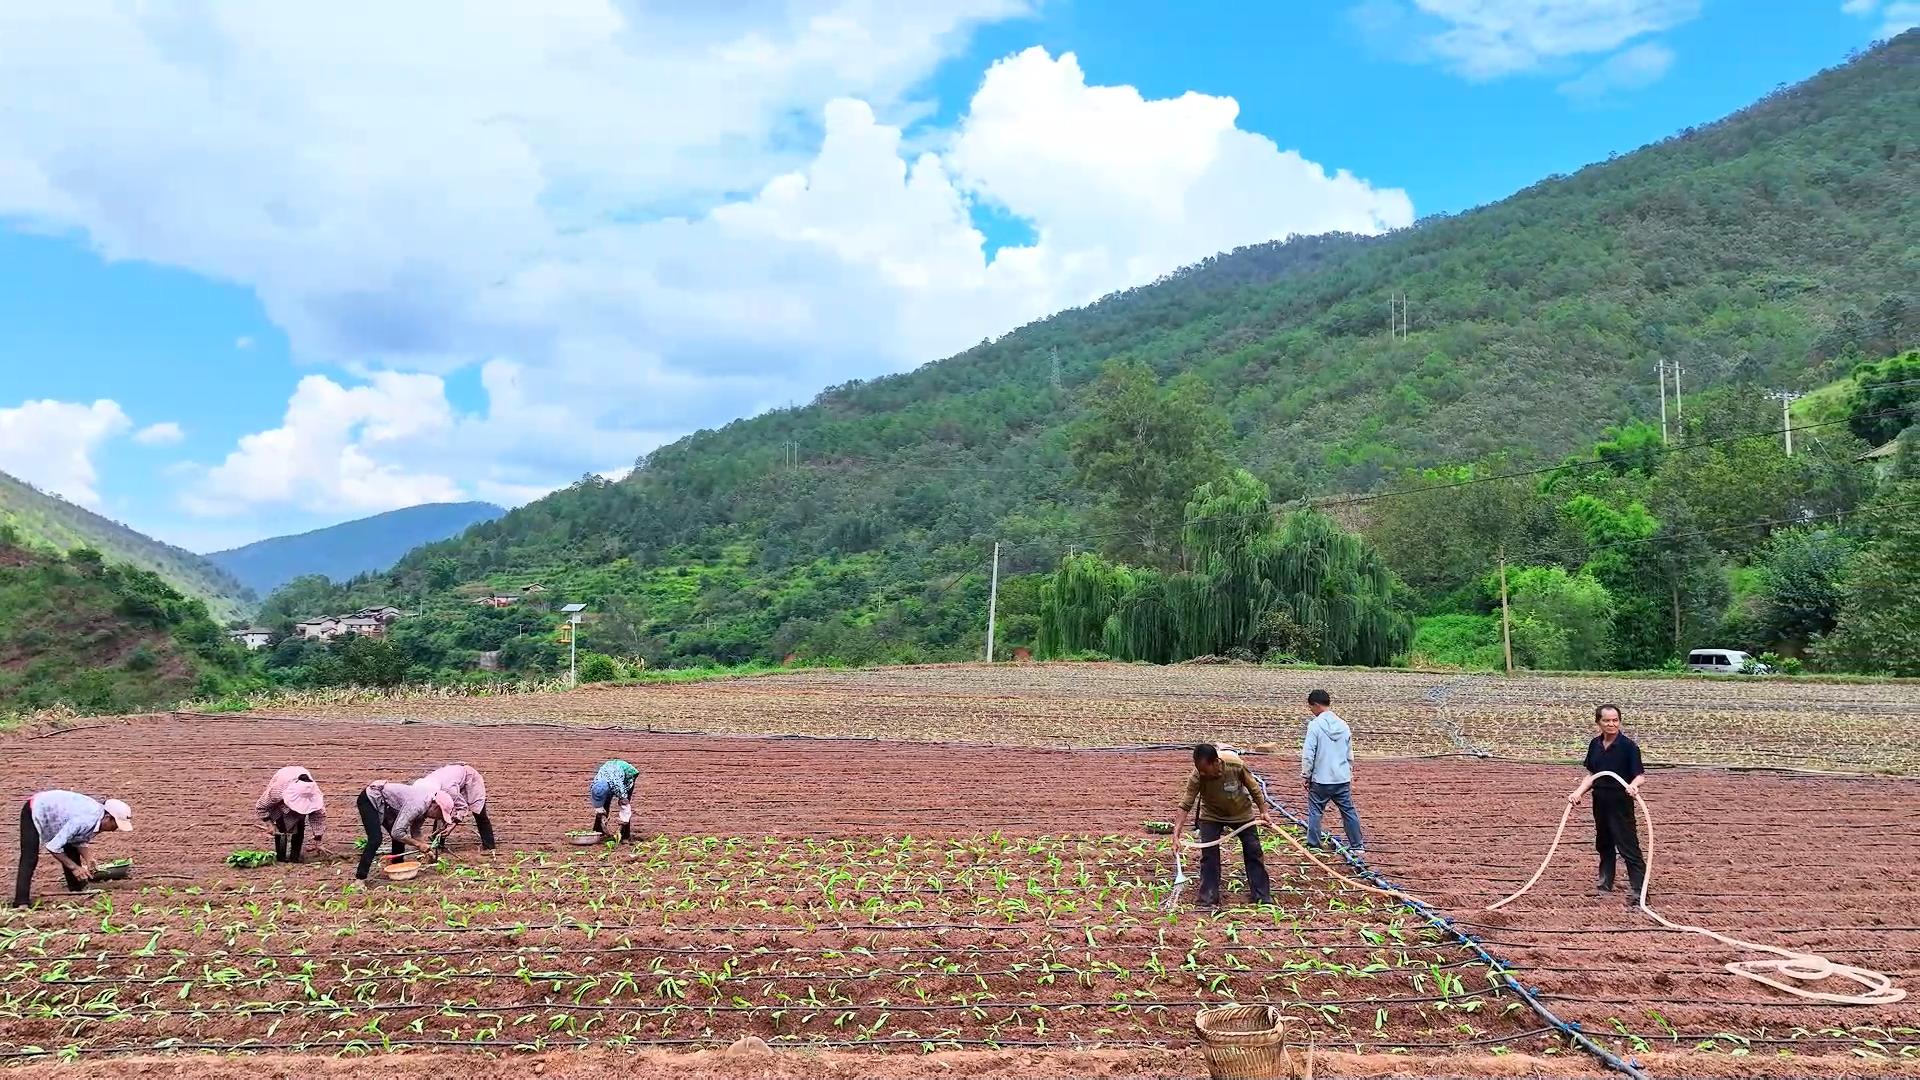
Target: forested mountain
x,y
50,522
339,552
102,636
1775,248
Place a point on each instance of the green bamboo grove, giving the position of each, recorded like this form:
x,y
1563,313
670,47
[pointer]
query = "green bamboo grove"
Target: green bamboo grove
x,y
1244,565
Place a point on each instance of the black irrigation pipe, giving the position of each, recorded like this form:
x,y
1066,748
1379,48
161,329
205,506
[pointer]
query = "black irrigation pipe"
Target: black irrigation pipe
x,y
1441,921
776,1043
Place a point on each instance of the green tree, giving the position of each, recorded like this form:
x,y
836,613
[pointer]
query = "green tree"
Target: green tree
x,y
1802,579
1886,397
1444,538
1561,621
1879,625
1141,450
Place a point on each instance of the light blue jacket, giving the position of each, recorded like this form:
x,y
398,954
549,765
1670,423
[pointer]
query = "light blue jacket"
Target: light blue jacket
x,y
1326,757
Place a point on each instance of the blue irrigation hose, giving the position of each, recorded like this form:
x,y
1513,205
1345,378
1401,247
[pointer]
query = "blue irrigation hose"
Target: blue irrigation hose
x,y
1439,920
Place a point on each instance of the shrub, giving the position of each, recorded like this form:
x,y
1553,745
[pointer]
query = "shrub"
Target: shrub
x,y
599,667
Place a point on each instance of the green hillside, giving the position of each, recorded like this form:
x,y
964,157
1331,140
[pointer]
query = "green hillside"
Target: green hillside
x,y
103,637
48,521
1773,249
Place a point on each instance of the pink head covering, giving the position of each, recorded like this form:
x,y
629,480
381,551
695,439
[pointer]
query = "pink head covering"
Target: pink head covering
x,y
445,802
303,797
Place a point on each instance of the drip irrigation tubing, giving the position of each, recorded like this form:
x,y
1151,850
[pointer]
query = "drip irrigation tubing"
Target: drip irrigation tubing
x,y
351,1005
776,1043
1373,882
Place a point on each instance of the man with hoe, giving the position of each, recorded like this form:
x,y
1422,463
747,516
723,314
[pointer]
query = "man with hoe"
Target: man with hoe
x,y
1229,798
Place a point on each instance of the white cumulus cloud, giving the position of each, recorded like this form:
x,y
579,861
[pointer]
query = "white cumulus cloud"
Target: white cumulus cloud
x,y
330,452
50,444
1489,39
630,225
165,433
1895,17
1630,69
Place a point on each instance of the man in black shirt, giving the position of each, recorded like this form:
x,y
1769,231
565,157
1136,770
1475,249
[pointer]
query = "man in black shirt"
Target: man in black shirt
x,y
1613,824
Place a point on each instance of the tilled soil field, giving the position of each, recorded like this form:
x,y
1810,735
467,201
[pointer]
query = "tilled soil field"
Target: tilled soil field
x,y
866,896
1853,727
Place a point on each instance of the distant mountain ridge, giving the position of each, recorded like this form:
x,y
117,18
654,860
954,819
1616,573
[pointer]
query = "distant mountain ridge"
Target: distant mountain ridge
x,y
342,551
47,521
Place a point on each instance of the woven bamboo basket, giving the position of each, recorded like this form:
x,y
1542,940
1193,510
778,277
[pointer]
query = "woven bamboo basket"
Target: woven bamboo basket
x,y
1244,1042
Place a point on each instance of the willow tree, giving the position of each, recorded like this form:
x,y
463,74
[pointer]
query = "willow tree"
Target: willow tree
x,y
1244,564
1077,602
1333,580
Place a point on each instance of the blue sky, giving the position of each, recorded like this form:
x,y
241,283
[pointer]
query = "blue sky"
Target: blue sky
x,y
270,273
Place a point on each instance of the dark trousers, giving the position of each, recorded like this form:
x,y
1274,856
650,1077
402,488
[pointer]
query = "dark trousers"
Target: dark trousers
x,y
286,843
30,860
481,822
370,819
1257,883
1614,831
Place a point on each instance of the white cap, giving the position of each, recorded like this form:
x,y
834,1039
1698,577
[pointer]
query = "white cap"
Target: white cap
x,y
121,813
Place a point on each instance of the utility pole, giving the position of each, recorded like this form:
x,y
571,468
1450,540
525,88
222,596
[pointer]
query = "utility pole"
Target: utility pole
x,y
993,599
1660,373
572,612
1397,317
1053,355
1676,399
1506,617
1787,398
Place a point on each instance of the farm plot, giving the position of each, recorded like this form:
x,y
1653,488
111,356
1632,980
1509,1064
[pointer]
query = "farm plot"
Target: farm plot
x,y
905,944
1027,868
1821,865
1703,720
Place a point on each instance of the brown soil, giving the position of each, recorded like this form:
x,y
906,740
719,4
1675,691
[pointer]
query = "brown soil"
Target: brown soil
x,y
1823,864
1854,727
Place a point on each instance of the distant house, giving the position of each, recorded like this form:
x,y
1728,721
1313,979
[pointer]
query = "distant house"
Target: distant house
x,y
325,628
495,601
367,622
253,637
529,590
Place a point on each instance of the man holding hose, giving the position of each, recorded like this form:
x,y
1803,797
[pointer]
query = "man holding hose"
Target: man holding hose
x,y
1613,826
1229,797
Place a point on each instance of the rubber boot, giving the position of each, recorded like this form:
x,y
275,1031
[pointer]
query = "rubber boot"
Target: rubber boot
x,y
279,847
1605,884
626,832
1633,896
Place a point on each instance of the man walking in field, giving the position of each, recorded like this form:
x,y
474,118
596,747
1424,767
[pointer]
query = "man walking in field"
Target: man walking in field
x,y
1614,829
1228,796
1326,771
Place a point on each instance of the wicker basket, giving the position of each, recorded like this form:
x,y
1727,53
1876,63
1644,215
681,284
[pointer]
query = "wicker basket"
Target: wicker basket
x,y
1244,1042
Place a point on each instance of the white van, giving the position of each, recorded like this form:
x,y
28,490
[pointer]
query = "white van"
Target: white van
x,y
1724,662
